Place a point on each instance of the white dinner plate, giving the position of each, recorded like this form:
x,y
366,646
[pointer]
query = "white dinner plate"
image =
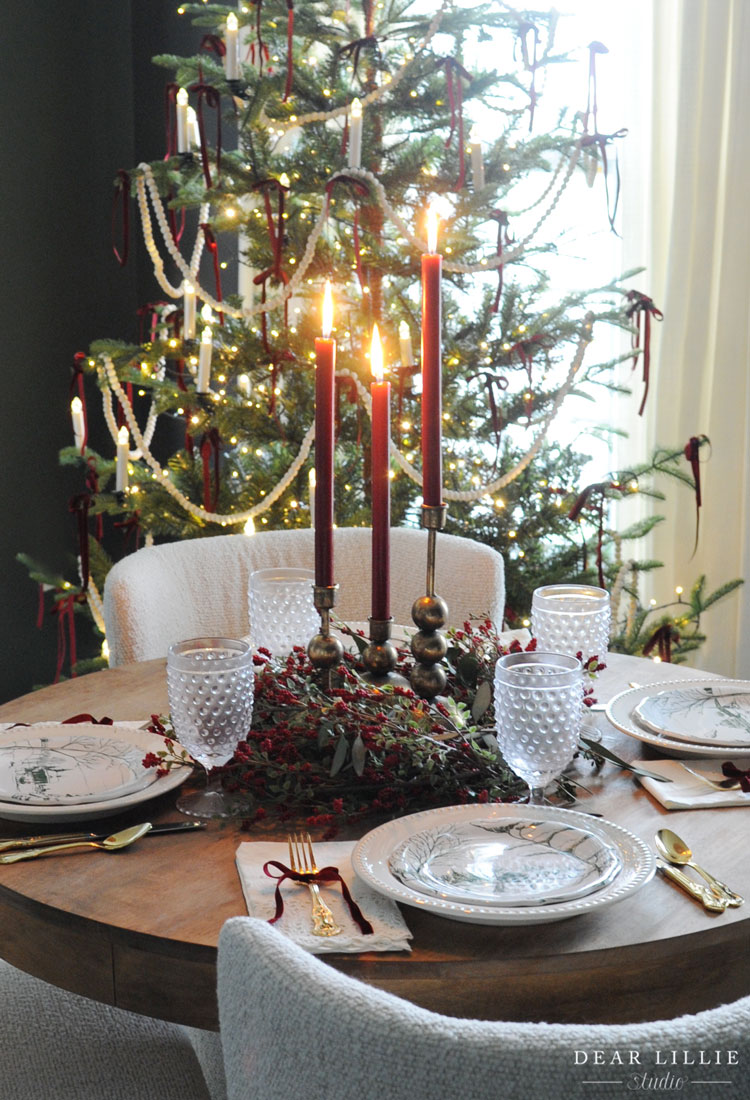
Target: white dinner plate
x,y
372,855
69,765
529,861
142,742
707,714
620,712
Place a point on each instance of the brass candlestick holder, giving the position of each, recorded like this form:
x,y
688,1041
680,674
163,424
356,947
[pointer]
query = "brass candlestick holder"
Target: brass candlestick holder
x,y
380,656
430,613
325,651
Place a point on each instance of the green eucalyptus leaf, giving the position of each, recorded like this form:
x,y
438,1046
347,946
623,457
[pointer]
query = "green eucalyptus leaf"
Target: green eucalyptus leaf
x,y
339,756
359,753
482,700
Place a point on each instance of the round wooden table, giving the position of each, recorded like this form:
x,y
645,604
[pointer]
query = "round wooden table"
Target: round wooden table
x,y
139,930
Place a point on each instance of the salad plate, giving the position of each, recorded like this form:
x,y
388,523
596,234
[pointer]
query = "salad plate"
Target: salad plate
x,y
620,711
55,784
529,861
705,714
70,767
380,853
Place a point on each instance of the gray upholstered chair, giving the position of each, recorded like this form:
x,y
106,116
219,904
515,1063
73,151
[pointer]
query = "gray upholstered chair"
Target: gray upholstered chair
x,y
59,1046
294,1028
164,594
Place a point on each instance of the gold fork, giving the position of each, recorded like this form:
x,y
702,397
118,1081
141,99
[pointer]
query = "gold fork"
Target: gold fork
x,y
302,861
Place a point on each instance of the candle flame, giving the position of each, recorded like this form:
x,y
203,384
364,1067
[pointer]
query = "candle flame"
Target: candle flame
x,y
327,310
432,228
76,405
206,335
123,436
182,97
232,23
475,133
376,355
311,478
249,528
187,287
403,330
285,181
356,108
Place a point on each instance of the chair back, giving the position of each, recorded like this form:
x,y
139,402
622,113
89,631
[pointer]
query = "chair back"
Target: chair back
x,y
164,594
293,1028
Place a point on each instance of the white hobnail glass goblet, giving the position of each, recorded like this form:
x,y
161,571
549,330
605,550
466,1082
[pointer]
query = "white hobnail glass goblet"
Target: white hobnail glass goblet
x,y
538,706
210,686
571,618
282,612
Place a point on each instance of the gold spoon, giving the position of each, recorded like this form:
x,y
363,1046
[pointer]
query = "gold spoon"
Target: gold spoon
x,y
110,844
673,848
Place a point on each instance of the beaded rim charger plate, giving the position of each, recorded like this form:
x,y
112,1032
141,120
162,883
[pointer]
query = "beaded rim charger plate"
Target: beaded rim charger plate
x,y
373,854
529,861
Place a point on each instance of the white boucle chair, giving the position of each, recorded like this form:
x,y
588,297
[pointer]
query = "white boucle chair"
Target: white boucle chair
x,y
293,1028
59,1046
164,594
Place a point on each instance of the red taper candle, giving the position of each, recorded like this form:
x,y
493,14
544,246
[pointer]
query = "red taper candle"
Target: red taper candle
x,y
380,392
432,369
325,373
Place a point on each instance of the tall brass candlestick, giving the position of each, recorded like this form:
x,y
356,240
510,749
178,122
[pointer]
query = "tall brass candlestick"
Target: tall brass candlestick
x,y
430,613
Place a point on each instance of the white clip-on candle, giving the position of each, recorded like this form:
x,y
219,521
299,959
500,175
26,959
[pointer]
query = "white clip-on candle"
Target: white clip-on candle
x,y
76,412
477,164
121,467
231,44
183,140
355,134
188,310
204,360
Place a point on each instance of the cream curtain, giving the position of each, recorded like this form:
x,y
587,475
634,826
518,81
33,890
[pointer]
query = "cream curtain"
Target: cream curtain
x,y
687,219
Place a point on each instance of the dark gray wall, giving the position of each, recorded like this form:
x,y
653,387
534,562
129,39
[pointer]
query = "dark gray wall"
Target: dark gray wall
x,y
79,99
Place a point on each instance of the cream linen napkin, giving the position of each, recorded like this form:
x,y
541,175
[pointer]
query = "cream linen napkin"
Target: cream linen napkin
x,y
390,932
685,792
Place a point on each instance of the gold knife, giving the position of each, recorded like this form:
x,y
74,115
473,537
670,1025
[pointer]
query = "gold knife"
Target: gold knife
x,y
701,893
65,838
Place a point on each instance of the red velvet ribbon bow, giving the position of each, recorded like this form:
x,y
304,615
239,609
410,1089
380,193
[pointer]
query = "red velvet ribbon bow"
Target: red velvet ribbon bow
x,y
210,445
603,140
663,637
454,74
64,608
692,454
640,311
530,63
360,190
213,248
170,127
583,500
591,104
289,55
525,350
354,50
503,240
325,874
79,506
121,201
212,98
131,527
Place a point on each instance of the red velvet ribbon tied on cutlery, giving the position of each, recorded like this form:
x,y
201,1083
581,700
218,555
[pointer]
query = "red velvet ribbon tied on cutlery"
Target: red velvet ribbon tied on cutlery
x,y
731,771
325,874
640,310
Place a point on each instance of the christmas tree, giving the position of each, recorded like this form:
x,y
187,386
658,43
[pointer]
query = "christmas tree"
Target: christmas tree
x,y
304,143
